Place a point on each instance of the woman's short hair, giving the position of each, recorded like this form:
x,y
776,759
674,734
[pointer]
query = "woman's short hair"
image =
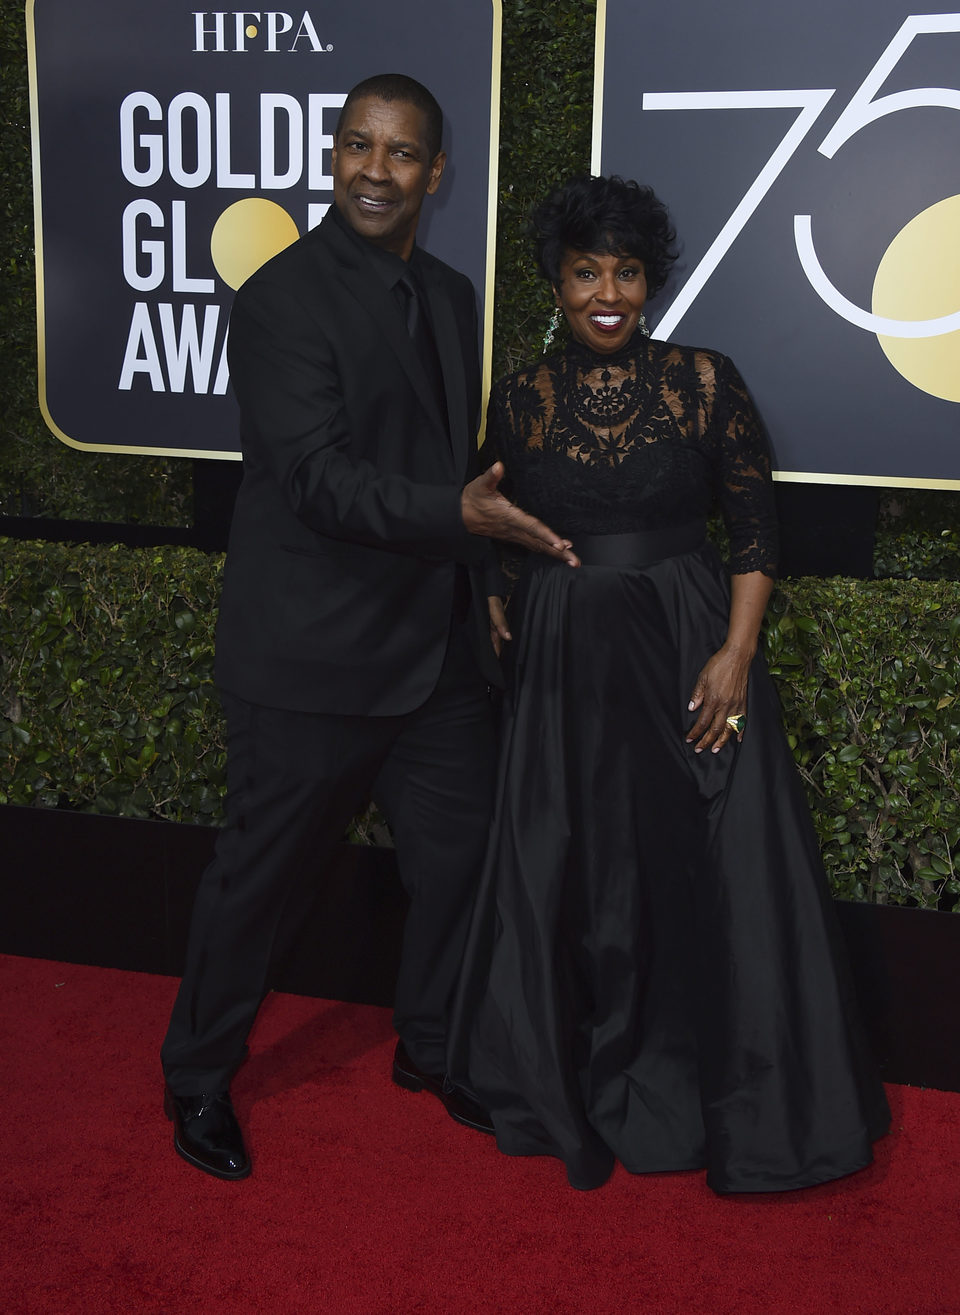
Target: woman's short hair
x,y
605,214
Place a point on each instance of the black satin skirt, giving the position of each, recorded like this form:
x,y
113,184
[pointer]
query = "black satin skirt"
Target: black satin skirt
x,y
654,972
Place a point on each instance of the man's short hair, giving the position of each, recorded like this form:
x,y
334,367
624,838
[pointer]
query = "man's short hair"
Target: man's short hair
x,y
397,86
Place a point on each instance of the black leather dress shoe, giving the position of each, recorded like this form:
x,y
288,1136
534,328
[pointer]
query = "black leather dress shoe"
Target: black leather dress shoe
x,y
206,1133
457,1104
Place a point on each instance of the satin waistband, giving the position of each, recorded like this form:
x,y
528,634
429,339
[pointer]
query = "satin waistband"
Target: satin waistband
x,y
640,548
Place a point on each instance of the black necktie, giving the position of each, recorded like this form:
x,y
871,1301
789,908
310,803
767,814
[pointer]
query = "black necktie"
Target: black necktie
x,y
418,326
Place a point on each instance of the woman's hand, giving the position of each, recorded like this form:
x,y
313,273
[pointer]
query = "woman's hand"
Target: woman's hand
x,y
721,688
499,633
720,692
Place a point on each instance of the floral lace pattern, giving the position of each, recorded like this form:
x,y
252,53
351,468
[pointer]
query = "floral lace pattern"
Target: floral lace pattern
x,y
644,439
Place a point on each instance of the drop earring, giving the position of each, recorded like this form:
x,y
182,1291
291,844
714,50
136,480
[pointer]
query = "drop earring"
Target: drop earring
x,y
552,328
642,325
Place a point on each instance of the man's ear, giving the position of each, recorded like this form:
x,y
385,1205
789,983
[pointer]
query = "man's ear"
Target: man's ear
x,y
436,171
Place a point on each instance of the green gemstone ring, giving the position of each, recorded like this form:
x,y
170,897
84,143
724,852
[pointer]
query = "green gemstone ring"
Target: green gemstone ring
x,y
738,722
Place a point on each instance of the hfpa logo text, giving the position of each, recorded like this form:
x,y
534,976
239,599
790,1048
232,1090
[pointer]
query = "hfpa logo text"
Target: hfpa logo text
x,y
239,31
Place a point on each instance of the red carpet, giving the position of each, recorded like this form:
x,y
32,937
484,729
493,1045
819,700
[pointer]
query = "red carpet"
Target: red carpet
x,y
368,1199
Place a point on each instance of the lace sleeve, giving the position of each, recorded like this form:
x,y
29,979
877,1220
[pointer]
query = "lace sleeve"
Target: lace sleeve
x,y
496,446
492,447
744,486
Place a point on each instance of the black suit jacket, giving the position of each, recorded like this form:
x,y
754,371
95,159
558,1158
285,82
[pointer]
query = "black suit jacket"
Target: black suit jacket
x,y
339,579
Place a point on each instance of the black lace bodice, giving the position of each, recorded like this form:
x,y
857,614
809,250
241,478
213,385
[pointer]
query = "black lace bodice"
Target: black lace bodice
x,y
644,439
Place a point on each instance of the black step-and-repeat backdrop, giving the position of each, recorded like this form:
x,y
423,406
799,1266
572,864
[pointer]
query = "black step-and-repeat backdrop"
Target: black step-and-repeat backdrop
x,y
810,157
176,149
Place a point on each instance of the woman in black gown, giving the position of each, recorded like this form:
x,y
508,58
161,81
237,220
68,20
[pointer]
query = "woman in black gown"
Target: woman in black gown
x,y
653,974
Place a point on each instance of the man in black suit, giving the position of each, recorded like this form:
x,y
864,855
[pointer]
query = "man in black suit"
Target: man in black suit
x,y
355,647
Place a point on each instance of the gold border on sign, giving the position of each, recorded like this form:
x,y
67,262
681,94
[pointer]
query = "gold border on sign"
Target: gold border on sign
x,y
493,179
496,50
41,314
782,476
599,53
872,481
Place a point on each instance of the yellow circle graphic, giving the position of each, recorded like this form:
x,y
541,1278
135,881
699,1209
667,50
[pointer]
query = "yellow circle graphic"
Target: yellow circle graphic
x,y
246,235
919,279
251,31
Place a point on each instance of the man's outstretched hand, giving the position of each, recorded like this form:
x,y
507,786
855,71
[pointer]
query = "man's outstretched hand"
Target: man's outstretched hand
x,y
487,512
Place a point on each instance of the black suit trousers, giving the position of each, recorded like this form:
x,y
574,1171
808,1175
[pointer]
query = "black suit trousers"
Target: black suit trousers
x,y
295,780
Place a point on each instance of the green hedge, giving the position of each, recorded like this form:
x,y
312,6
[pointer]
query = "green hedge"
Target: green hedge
x,y
867,671
108,704
107,691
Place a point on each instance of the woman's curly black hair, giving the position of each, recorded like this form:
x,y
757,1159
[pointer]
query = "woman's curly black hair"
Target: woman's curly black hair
x,y
605,214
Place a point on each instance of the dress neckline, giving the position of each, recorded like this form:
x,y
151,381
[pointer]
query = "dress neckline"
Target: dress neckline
x,y
636,346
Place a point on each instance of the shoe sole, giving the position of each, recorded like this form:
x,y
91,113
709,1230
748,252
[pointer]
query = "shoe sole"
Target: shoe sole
x,y
410,1082
469,1123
